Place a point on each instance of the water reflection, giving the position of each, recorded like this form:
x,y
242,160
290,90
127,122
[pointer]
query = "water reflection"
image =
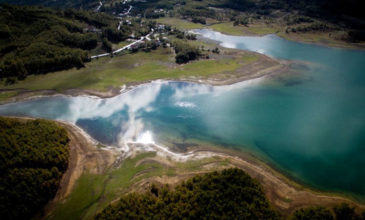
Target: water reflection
x,y
311,125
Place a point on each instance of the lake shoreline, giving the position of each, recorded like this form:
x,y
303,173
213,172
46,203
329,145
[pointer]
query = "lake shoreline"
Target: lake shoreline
x,y
264,67
284,193
338,45
277,186
245,31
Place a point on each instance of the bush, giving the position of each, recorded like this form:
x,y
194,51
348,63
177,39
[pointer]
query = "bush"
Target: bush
x,y
107,46
185,52
198,20
345,212
312,213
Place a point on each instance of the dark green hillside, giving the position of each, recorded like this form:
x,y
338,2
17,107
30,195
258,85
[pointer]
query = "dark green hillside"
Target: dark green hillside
x,y
35,40
339,212
328,9
84,4
229,194
33,157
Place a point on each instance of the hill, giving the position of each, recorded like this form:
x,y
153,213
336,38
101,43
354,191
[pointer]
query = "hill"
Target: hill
x,y
37,40
226,194
81,4
34,155
229,194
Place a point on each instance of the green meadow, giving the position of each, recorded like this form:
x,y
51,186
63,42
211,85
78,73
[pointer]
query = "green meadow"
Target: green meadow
x,y
105,73
93,192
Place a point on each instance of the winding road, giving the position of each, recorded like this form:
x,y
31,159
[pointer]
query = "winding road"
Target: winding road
x,y
118,28
99,6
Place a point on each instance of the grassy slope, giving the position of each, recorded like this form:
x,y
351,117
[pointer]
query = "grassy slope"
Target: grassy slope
x,y
103,73
257,29
179,23
94,192
5,95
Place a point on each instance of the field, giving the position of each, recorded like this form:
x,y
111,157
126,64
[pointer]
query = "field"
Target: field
x,y
7,95
179,23
256,29
105,73
93,192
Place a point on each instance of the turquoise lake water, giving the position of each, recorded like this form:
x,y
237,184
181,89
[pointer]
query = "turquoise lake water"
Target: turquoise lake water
x,y
310,125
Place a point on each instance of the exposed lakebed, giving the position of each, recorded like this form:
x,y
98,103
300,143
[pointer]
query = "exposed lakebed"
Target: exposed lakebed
x,y
310,125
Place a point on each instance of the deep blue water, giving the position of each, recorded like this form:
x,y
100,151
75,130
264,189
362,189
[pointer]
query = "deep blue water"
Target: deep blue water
x,y
310,125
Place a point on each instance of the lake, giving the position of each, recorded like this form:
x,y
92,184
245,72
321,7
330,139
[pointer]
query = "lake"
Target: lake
x,y
310,125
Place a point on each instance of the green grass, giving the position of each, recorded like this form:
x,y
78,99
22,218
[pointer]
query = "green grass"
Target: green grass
x,y
196,43
93,192
252,29
195,165
103,73
225,27
263,30
179,23
97,50
228,28
120,45
6,95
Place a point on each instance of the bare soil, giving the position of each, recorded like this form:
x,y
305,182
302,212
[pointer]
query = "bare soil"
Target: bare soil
x,y
84,157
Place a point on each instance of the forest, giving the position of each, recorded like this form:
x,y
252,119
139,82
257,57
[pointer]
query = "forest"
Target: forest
x,y
37,40
33,156
229,194
82,4
226,194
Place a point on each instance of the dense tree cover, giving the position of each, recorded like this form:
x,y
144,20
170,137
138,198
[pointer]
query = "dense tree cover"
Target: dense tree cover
x,y
318,8
333,10
36,40
339,212
33,157
312,213
114,35
229,194
85,4
185,52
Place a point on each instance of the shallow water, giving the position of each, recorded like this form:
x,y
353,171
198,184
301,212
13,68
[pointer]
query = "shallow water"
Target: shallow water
x,y
310,125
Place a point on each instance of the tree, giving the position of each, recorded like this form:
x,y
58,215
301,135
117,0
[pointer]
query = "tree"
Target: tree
x,y
34,155
228,194
312,213
345,212
107,46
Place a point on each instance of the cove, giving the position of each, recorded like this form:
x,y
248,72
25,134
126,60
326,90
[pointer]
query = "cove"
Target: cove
x,y
310,125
